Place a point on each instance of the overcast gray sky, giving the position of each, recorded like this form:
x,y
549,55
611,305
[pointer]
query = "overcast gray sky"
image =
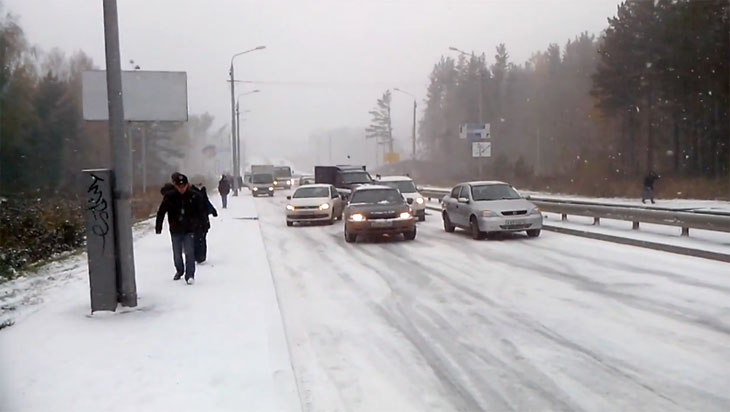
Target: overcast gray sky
x,y
329,59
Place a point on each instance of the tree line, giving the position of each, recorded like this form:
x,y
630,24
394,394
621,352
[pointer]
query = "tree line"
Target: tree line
x,y
44,141
652,92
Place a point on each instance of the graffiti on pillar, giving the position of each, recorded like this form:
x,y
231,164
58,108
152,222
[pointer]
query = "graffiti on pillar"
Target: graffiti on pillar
x,y
99,208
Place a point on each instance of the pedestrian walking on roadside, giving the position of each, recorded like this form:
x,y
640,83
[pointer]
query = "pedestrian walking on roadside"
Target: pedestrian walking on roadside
x,y
201,233
648,192
186,212
224,188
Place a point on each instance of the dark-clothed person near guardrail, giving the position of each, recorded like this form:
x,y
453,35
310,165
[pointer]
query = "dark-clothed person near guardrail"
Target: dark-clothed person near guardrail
x,y
224,188
186,212
201,233
648,192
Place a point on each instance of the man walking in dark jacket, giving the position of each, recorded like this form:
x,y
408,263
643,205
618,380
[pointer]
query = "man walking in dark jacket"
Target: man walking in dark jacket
x,y
648,191
186,212
224,188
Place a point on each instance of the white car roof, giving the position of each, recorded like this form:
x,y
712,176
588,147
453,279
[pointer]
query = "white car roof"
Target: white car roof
x,y
393,179
314,185
372,187
484,182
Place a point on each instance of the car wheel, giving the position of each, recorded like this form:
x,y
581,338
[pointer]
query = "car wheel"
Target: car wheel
x,y
422,218
332,220
476,234
349,237
533,233
410,235
290,224
448,226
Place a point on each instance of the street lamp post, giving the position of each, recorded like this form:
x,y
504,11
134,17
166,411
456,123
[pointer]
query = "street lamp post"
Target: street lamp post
x,y
234,146
480,103
481,83
238,129
415,107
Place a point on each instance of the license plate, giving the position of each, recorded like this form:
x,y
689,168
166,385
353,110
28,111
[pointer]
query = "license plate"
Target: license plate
x,y
385,223
516,222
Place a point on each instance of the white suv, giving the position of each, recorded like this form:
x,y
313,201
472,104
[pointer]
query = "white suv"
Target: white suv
x,y
408,189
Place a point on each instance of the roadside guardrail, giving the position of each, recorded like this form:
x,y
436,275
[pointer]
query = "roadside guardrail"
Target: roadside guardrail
x,y
683,218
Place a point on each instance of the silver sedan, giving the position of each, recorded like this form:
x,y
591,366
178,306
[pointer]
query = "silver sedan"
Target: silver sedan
x,y
489,207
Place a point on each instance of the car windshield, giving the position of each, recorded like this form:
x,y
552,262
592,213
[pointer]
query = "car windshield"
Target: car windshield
x,y
356,177
405,186
493,192
377,196
305,192
263,178
282,172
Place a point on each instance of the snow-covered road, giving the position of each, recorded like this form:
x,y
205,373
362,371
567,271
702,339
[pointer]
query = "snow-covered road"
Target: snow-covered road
x,y
447,323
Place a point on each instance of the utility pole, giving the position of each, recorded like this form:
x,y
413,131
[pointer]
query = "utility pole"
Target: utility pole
x,y
238,135
413,137
234,146
144,160
126,283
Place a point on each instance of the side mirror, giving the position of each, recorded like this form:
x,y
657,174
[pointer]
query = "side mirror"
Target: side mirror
x,y
288,198
463,200
410,201
342,197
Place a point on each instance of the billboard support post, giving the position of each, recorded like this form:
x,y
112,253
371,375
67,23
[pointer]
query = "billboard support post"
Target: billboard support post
x,y
124,250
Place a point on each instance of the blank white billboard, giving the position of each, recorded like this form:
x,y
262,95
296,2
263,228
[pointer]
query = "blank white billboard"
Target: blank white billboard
x,y
149,96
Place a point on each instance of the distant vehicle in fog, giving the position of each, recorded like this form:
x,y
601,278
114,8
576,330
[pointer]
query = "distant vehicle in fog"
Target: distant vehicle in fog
x,y
306,180
262,184
489,207
282,177
408,189
314,203
344,177
378,210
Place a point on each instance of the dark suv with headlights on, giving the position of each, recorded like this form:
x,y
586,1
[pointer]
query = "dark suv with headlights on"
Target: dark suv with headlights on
x,y
262,184
378,210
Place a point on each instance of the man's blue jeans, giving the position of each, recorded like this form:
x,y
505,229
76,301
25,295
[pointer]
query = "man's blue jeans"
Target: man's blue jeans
x,y
184,242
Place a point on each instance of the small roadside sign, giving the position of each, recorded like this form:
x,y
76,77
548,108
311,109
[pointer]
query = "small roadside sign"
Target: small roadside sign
x,y
475,132
481,149
391,157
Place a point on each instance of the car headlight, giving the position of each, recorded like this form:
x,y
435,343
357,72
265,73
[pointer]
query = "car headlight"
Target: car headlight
x,y
489,213
419,200
276,183
288,182
255,188
405,215
271,188
290,207
357,217
535,211
324,206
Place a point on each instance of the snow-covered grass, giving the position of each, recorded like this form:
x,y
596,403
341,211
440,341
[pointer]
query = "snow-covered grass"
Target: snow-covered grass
x,y
217,345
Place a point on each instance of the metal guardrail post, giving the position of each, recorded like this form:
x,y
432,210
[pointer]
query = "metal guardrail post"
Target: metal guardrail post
x,y
564,217
596,221
685,232
635,226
